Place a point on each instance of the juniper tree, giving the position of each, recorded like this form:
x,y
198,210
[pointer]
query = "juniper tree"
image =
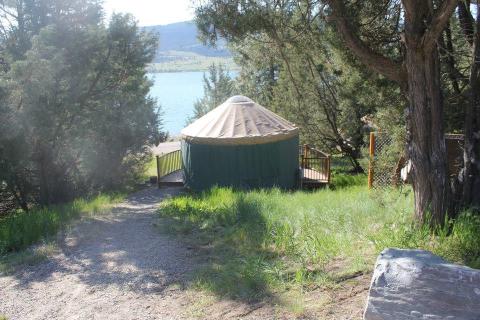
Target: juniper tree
x,y
76,99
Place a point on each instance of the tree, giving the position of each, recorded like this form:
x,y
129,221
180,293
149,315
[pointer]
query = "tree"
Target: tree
x,y
323,103
77,97
471,173
20,20
218,86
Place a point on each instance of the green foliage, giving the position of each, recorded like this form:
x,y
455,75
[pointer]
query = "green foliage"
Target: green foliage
x,y
22,229
151,168
76,103
265,240
342,180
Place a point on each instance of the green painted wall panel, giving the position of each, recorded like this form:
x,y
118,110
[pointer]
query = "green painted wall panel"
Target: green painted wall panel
x,y
241,166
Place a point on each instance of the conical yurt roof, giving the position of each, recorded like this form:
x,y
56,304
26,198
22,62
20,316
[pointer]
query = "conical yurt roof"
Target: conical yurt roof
x,y
239,120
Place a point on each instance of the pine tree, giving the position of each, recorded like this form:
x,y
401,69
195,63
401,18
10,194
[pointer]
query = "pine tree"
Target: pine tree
x,y
218,86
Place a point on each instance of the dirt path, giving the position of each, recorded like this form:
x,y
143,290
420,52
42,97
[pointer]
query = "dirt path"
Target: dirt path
x,y
115,266
118,266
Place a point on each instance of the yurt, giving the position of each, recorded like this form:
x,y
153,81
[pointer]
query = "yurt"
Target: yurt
x,y
240,144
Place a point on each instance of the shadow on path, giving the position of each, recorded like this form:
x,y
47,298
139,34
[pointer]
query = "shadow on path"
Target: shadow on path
x,y
121,248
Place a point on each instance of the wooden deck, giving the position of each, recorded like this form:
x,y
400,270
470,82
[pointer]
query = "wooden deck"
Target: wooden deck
x,y
312,178
173,179
314,167
169,169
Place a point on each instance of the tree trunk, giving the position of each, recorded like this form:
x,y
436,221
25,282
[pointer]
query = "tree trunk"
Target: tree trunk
x,y
357,167
471,173
426,143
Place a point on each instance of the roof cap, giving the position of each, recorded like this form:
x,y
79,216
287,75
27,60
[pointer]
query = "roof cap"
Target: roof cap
x,y
239,99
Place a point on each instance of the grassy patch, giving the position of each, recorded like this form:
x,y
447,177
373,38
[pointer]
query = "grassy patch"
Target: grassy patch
x,y
458,241
22,229
342,176
262,240
32,256
151,168
343,180
259,243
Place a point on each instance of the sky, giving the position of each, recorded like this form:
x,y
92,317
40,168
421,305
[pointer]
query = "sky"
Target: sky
x,y
152,12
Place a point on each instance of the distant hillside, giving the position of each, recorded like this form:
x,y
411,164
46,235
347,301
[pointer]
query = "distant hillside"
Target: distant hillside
x,y
182,37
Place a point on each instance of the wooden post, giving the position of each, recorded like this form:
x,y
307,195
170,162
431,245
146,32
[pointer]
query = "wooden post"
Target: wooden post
x,y
328,168
305,155
370,163
158,172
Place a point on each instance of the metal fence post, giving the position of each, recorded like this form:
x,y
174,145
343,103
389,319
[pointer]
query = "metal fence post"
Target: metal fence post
x,y
158,172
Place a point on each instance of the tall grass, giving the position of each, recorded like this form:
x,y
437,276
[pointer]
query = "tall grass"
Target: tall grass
x,y
343,180
263,239
22,229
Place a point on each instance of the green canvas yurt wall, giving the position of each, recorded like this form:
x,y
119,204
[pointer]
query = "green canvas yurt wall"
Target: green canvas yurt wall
x,y
240,144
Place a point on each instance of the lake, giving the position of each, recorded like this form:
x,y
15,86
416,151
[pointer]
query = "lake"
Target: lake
x,y
176,92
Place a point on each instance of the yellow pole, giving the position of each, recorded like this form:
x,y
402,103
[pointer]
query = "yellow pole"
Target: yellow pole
x,y
370,163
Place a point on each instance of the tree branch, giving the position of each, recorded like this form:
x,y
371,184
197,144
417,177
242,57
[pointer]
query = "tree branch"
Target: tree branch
x,y
466,21
392,70
438,23
447,56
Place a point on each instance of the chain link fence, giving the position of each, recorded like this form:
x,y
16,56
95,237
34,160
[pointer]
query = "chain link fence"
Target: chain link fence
x,y
386,160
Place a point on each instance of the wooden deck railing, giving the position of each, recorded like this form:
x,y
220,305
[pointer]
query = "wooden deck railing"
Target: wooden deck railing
x,y
315,165
168,163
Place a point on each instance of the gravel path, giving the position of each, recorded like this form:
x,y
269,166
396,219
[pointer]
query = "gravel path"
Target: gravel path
x,y
114,266
118,265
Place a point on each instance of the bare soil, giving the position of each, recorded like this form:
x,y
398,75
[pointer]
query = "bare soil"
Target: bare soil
x,y
119,265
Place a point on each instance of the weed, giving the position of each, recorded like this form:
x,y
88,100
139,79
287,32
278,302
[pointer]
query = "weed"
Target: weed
x,y
31,256
22,229
265,240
